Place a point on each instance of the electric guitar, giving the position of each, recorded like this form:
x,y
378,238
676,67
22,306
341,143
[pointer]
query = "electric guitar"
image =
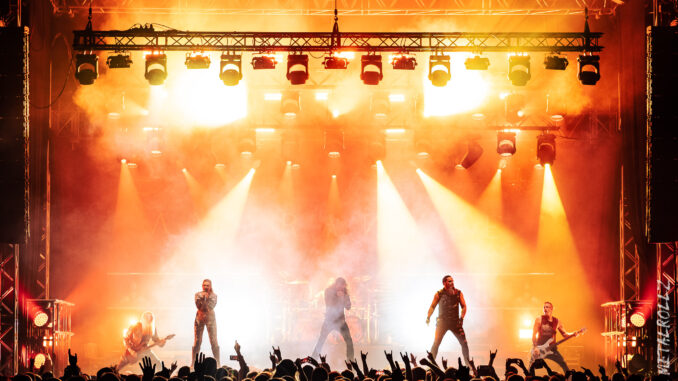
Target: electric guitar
x,y
541,351
146,347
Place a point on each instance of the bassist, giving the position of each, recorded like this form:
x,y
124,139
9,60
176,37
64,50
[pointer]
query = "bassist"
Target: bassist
x,y
545,328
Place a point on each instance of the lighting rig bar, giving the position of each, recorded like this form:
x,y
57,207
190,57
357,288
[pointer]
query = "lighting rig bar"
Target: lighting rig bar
x,y
146,38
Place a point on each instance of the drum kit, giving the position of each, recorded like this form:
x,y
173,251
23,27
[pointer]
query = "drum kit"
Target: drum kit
x,y
305,309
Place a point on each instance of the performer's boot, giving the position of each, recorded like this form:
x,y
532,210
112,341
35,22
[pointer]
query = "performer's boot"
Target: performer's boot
x,y
215,353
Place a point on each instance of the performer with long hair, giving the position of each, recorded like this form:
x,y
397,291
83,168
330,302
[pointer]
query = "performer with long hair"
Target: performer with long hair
x,y
336,300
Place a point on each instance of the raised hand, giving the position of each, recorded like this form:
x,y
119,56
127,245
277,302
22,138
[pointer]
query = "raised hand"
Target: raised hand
x,y
430,356
348,364
389,357
444,361
413,359
147,368
72,359
473,367
173,367
164,372
601,370
323,359
492,356
199,364
273,358
237,348
406,359
357,370
277,353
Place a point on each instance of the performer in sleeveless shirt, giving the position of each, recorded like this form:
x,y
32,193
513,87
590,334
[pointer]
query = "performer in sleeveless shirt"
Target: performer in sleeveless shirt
x,y
545,327
449,299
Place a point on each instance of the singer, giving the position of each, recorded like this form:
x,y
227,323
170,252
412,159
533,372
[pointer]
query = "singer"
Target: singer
x,y
336,300
206,300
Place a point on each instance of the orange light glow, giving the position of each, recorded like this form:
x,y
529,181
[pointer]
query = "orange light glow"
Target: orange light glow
x,y
556,245
466,90
403,254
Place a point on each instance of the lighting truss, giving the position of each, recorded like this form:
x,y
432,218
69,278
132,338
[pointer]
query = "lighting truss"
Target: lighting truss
x,y
349,8
146,38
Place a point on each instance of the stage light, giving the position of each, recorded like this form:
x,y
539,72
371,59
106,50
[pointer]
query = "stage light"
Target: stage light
x,y
272,96
119,61
297,68
396,98
377,148
422,143
334,143
247,144
39,360
439,70
546,149
380,106
473,152
230,69
638,319
263,62
334,62
404,62
519,70
156,69
556,107
290,147
589,69
515,108
197,61
289,104
477,63
86,68
40,318
506,143
555,62
370,69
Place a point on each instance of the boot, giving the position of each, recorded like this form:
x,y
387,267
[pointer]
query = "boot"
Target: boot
x,y
215,353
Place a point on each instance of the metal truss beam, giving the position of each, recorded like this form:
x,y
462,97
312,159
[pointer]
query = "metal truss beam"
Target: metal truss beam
x,y
629,259
175,40
346,7
9,303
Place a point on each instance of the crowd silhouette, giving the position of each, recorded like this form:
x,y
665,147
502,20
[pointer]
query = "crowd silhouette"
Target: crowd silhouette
x,y
404,367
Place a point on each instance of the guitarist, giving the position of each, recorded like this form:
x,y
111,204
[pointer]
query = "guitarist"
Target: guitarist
x,y
137,338
545,328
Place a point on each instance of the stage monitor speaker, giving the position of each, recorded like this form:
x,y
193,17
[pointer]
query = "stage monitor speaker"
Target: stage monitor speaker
x,y
662,135
13,134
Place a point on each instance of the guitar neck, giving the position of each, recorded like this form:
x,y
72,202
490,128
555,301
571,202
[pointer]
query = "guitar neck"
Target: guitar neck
x,y
567,338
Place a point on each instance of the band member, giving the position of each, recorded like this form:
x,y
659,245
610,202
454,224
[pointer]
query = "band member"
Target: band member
x,y
336,300
137,339
449,299
206,300
545,328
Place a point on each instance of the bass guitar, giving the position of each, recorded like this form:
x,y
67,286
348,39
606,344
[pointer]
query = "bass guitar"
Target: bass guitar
x,y
541,351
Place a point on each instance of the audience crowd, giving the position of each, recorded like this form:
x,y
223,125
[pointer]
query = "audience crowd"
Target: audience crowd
x,y
404,368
